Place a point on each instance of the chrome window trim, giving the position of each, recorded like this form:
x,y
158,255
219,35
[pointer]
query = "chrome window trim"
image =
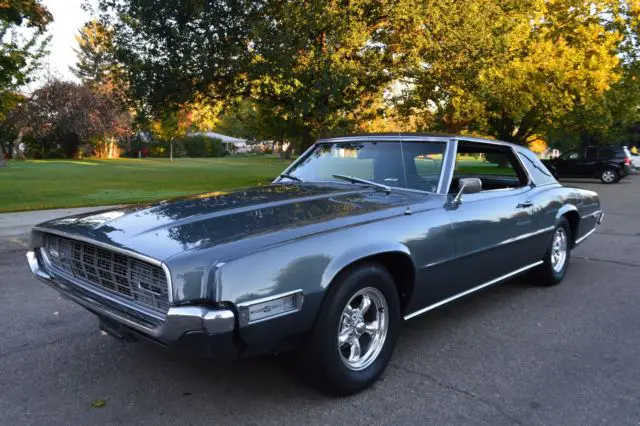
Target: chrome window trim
x,y
513,150
530,181
382,138
243,308
120,250
554,180
447,165
472,290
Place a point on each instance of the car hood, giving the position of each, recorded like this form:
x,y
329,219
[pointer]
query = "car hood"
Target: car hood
x,y
201,221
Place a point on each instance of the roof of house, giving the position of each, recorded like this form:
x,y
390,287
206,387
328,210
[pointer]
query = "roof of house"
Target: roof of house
x,y
223,138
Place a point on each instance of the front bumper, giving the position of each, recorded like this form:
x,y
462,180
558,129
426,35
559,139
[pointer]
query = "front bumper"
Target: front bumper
x,y
195,329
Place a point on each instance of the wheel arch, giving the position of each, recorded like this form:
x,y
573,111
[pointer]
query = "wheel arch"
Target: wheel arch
x,y
571,213
396,258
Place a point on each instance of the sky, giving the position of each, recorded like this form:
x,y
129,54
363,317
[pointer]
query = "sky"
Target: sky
x,y
68,17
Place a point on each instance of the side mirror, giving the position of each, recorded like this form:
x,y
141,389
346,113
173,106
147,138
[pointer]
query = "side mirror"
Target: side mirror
x,y
467,186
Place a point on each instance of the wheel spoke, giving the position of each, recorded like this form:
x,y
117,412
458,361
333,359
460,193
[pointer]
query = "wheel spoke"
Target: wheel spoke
x,y
343,337
372,328
364,304
355,350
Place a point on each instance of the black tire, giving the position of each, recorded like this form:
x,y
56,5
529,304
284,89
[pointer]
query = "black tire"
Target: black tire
x,y
609,175
321,358
546,275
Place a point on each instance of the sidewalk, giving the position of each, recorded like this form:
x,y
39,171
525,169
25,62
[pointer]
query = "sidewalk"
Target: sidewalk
x,y
20,223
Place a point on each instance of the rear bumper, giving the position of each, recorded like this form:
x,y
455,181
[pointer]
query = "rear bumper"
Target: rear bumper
x,y
198,330
628,170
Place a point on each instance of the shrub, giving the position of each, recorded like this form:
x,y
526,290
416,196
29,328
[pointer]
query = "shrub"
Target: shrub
x,y
202,146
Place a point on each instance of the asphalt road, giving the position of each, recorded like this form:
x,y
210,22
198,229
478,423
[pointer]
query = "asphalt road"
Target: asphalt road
x,y
514,354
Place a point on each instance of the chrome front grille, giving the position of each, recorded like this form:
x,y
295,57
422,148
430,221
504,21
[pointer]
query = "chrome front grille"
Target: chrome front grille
x,y
142,282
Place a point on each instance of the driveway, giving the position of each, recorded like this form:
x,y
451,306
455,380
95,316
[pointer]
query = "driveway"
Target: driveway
x,y
514,354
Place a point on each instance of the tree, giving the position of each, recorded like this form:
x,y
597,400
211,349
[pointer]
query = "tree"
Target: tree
x,y
97,66
316,63
506,68
171,126
19,55
307,65
65,114
173,49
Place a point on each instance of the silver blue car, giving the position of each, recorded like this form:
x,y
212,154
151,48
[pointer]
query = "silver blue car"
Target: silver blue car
x,y
358,235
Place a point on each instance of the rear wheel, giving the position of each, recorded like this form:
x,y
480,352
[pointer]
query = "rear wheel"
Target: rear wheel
x,y
556,260
354,336
609,175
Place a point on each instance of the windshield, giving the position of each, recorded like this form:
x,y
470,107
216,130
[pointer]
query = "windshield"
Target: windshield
x,y
414,165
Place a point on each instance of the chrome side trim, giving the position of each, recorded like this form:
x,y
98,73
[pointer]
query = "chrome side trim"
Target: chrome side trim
x,y
167,273
218,277
34,265
474,289
525,236
120,250
584,237
501,243
243,308
594,214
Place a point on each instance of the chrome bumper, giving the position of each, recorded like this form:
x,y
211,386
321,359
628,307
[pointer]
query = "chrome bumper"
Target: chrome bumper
x,y
178,322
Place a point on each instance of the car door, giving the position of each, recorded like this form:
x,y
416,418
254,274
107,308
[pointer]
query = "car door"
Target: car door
x,y
491,227
591,164
567,164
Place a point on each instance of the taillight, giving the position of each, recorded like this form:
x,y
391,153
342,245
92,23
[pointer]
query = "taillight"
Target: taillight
x,y
627,161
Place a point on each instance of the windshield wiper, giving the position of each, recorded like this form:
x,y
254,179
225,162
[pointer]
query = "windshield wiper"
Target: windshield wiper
x,y
352,179
292,177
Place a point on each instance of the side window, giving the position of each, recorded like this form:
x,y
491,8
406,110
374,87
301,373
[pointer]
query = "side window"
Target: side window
x,y
496,166
570,155
592,154
423,163
539,172
607,153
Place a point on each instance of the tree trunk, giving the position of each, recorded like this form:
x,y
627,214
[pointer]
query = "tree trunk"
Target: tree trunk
x,y
3,163
17,153
171,150
287,152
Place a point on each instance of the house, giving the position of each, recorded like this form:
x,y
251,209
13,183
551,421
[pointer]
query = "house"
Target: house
x,y
231,144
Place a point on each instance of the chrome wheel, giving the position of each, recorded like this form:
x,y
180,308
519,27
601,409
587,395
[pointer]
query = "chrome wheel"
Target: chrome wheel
x,y
608,176
559,249
363,328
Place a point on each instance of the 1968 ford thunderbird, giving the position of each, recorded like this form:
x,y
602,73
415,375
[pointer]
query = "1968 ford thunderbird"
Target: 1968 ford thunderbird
x,y
357,235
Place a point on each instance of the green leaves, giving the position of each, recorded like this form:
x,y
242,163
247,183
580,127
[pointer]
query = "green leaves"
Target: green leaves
x,y
510,68
20,55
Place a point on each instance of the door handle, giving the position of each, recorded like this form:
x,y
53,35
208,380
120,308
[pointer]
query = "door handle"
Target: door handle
x,y
524,205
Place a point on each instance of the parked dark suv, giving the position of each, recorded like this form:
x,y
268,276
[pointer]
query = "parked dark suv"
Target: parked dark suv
x,y
608,163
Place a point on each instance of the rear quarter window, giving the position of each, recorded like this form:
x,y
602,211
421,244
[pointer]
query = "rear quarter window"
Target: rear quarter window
x,y
538,171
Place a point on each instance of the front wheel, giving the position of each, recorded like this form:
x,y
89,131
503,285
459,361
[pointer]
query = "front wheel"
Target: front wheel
x,y
356,331
609,176
556,260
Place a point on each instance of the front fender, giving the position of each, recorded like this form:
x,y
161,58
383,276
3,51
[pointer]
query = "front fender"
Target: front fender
x,y
358,253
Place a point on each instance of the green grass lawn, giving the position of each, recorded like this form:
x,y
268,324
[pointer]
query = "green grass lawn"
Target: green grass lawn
x,y
48,184
36,184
